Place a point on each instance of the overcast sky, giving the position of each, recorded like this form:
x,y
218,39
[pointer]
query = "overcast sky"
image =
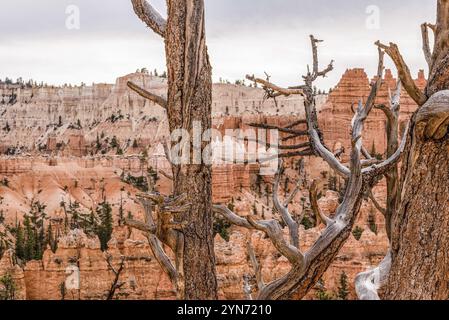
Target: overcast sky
x,y
244,36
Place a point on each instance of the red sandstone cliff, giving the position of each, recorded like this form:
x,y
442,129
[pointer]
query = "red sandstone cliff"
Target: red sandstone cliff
x,y
73,175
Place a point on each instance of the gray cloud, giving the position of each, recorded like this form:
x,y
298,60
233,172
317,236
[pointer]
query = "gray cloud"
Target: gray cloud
x,y
243,35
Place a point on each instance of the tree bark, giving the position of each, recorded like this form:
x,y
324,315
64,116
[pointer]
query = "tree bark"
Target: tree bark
x,y
420,238
439,67
189,100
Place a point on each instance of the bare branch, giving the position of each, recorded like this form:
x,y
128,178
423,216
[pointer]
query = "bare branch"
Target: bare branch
x,y
296,123
280,147
311,77
368,283
115,284
386,165
366,154
165,174
293,226
322,252
293,194
233,218
387,111
303,153
247,289
426,44
257,267
273,230
376,204
370,162
404,73
140,226
272,127
353,195
278,90
148,95
150,230
163,260
324,153
308,268
150,16
295,146
290,137
376,86
314,204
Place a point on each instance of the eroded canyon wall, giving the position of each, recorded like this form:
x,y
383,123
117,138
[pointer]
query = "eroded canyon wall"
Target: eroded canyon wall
x,y
58,145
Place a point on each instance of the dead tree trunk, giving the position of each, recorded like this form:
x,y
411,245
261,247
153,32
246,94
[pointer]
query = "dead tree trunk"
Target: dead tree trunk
x,y
189,100
420,238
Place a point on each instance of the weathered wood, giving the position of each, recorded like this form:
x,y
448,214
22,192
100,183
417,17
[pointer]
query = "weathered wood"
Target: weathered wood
x,y
404,72
420,241
307,268
189,100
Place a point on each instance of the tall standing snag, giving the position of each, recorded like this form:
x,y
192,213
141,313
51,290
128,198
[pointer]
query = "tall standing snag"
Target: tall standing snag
x,y
308,267
189,99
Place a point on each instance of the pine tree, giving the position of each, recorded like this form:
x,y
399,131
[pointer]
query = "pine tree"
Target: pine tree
x,y
255,209
98,143
372,222
29,240
121,213
343,290
104,230
20,242
5,243
357,233
51,239
7,287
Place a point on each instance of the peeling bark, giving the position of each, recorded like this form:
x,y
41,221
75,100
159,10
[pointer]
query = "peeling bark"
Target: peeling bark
x,y
420,241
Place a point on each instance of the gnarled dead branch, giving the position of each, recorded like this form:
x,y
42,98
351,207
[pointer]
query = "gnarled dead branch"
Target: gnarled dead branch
x,y
257,267
278,91
163,232
116,284
150,16
282,209
404,73
307,268
426,44
148,95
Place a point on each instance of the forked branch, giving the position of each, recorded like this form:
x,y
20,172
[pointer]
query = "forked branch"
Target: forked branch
x,y
426,44
150,16
116,284
277,91
404,73
282,209
361,175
